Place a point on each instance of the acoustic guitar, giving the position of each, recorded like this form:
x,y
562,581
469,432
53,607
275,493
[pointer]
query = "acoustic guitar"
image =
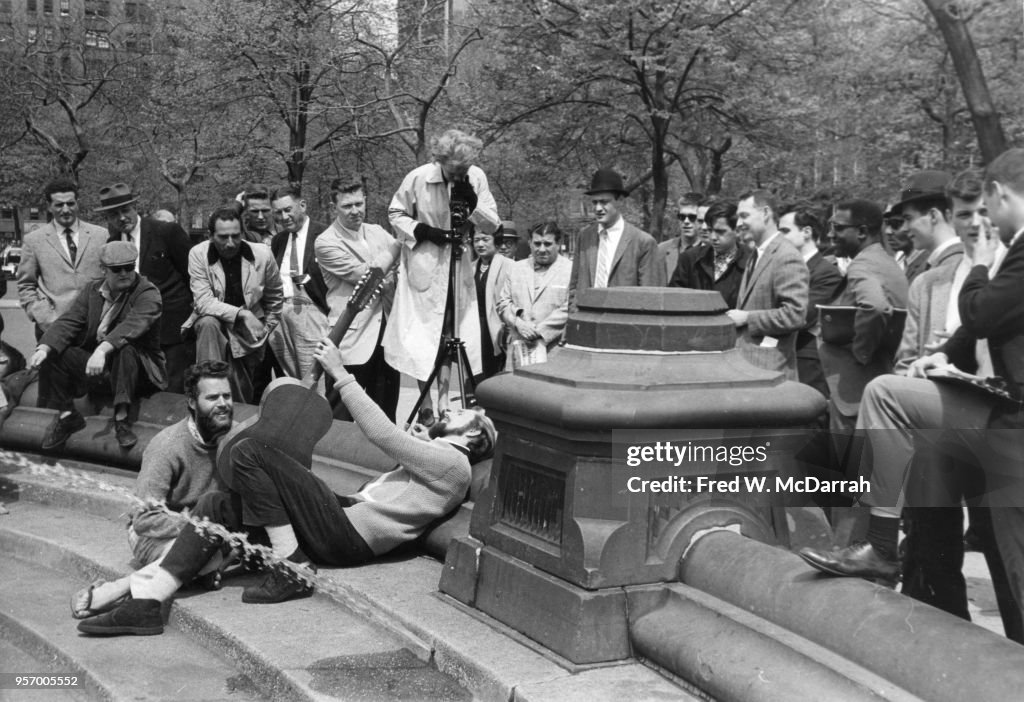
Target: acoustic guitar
x,y
293,417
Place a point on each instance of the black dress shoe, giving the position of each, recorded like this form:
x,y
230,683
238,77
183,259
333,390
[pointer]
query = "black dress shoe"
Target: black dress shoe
x,y
60,429
125,436
135,617
858,560
280,585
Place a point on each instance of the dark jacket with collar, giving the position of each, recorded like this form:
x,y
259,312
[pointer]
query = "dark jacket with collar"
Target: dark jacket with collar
x,y
696,269
137,323
163,260
316,288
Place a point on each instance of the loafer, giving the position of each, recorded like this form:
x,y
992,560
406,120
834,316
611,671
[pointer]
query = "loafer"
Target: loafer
x,y
280,585
134,617
60,429
426,417
125,436
858,560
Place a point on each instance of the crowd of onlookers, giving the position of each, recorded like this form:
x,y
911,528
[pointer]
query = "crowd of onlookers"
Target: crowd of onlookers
x,y
924,286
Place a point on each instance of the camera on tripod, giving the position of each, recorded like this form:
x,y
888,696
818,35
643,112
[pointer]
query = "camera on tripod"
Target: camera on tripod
x,y
461,204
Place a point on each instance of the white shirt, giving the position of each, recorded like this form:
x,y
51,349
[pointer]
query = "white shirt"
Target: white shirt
x,y
609,241
764,247
286,259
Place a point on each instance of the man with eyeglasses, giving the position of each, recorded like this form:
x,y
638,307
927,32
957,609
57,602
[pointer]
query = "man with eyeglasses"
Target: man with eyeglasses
x,y
903,415
923,208
163,260
108,339
876,287
689,228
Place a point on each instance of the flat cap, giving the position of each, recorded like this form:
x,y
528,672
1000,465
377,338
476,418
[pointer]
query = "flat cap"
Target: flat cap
x,y
118,253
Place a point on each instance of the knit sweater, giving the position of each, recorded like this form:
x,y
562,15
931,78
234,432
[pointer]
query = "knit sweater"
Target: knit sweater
x,y
430,481
176,468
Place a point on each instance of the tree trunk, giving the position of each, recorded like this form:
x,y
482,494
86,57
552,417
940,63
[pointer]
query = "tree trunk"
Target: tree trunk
x,y
987,124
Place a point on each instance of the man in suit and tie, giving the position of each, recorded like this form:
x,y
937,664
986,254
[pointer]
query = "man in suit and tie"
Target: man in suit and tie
x,y
304,316
612,252
58,260
934,547
900,415
534,301
922,207
163,260
802,227
772,304
690,220
876,286
238,296
346,251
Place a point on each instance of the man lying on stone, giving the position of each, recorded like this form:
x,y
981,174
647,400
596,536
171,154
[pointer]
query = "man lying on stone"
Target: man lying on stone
x,y
178,467
305,521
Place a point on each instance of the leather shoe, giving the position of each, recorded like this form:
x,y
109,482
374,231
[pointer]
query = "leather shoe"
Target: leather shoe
x,y
61,428
136,617
125,436
280,585
858,560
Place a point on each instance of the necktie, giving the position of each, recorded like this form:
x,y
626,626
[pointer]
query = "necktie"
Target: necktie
x,y
293,260
751,264
69,236
603,255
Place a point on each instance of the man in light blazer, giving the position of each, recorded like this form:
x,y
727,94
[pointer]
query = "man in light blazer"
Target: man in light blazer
x,y
58,260
612,253
238,297
534,302
163,260
345,251
772,304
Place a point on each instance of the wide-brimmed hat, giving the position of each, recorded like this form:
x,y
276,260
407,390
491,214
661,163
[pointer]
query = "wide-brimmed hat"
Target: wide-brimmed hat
x,y
118,253
923,185
606,180
116,195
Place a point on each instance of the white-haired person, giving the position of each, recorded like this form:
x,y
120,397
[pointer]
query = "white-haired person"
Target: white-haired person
x,y
421,216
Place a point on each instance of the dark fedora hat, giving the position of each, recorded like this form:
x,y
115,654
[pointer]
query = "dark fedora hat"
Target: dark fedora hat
x,y
116,195
922,185
606,180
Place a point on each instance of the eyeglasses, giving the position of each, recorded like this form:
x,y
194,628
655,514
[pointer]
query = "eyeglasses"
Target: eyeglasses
x,y
686,217
894,222
840,226
126,268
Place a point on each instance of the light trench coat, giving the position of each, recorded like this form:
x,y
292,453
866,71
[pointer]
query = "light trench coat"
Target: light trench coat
x,y
413,332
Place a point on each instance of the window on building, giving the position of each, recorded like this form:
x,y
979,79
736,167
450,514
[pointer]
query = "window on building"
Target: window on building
x,y
5,6
35,213
102,41
48,34
91,38
48,6
97,8
6,213
33,34
30,5
65,7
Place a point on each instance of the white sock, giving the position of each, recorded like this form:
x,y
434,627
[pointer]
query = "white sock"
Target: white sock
x,y
153,583
282,540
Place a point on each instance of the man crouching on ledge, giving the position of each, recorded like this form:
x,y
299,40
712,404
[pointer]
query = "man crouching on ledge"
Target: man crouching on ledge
x,y
305,521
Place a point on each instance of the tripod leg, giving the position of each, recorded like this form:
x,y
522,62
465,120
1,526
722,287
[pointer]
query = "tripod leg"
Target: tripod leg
x,y
467,387
424,392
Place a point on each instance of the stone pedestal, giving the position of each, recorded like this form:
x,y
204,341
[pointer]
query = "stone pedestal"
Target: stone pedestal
x,y
561,529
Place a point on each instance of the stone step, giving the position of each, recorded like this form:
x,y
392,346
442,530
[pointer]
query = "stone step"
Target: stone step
x,y
34,616
393,602
301,650
16,661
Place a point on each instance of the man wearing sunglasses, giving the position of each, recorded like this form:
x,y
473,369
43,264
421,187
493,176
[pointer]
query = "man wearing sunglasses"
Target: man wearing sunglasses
x,y
689,229
109,339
